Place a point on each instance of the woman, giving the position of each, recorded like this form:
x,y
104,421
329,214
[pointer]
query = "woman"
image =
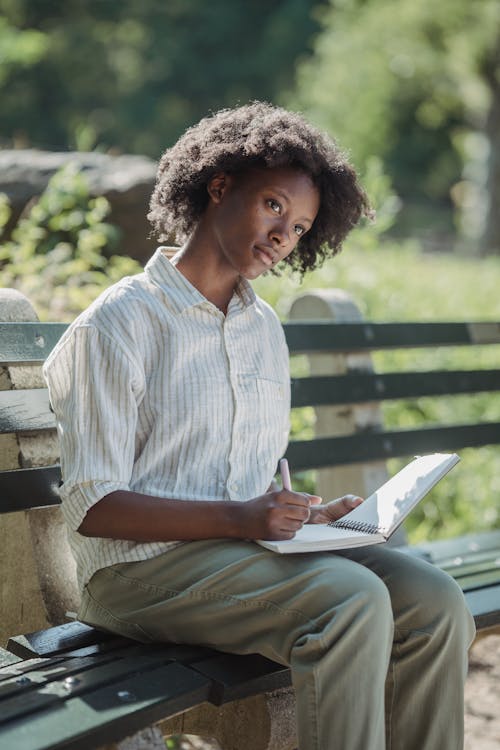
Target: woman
x,y
172,399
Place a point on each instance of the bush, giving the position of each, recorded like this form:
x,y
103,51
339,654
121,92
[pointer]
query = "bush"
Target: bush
x,y
60,252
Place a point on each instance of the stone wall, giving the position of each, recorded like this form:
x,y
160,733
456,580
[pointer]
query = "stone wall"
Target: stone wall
x,y
38,581
126,181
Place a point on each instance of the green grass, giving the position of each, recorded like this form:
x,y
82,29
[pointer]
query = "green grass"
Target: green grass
x,y
404,284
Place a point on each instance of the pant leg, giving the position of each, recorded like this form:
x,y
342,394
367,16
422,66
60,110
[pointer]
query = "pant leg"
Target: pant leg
x,y
327,617
433,630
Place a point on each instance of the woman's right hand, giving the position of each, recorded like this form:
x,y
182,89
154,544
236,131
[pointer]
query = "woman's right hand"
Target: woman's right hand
x,y
276,515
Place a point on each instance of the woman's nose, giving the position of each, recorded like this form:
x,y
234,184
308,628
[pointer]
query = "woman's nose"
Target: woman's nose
x,y
280,234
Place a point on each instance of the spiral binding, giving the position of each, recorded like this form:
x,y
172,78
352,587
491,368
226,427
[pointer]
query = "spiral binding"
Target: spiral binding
x,y
367,528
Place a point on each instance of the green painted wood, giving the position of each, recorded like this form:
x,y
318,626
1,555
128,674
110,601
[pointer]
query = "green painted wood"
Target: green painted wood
x,y
28,343
484,605
77,676
235,677
7,659
110,713
347,337
358,388
77,639
477,565
444,551
22,489
23,667
65,637
479,579
25,411
21,694
367,446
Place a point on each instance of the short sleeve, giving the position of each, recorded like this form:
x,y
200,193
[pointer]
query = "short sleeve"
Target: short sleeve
x,y
94,390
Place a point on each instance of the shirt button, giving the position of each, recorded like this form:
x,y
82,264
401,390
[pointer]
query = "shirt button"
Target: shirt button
x,y
234,486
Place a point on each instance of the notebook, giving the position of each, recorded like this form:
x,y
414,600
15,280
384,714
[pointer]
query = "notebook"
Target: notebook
x,y
375,520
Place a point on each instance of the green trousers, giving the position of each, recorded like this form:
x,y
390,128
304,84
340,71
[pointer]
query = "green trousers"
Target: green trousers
x,y
376,640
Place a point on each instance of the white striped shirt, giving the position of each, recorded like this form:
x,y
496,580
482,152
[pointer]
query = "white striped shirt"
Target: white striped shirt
x,y
156,391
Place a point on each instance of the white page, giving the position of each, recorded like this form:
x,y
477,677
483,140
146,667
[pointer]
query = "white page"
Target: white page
x,y
391,503
321,536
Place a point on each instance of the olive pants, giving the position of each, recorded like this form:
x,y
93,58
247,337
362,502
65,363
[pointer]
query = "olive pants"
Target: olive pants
x,y
376,640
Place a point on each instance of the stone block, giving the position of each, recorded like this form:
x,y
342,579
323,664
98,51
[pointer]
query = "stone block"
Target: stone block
x,y
126,181
261,722
38,582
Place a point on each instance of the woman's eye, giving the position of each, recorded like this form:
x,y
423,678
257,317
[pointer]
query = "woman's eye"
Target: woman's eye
x,y
299,230
274,205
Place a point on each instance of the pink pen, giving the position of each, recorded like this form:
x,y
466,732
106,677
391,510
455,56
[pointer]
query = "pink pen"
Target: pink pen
x,y
285,474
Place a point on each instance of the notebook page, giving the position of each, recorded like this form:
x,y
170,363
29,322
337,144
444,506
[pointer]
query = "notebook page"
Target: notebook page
x,y
390,504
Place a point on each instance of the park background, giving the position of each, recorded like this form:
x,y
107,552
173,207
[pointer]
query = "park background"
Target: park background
x,y
411,89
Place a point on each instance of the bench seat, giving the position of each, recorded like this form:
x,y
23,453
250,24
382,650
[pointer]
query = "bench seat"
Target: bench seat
x,y
83,688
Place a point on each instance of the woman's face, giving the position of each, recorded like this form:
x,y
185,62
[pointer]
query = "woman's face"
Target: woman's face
x,y
257,218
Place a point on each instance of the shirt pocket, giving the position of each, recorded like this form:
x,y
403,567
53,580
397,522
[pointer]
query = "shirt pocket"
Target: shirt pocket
x,y
276,390
266,419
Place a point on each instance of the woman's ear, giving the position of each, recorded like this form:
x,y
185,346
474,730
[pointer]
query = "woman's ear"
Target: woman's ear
x,y
217,186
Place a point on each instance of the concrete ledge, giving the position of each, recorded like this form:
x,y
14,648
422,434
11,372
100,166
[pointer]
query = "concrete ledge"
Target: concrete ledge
x,y
38,572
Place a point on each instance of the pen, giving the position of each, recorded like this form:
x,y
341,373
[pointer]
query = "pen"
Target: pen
x,y
285,474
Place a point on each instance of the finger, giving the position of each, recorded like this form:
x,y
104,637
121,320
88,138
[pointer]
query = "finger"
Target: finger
x,y
356,499
315,499
297,513
354,502
300,499
291,525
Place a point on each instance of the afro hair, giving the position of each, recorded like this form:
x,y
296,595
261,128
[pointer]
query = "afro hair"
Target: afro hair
x,y
257,135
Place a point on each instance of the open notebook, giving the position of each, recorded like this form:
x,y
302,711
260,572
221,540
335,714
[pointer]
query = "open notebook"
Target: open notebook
x,y
379,516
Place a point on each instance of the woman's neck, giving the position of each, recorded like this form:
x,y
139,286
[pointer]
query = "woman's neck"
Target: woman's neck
x,y
204,271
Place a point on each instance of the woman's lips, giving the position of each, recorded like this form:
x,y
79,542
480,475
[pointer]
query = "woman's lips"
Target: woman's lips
x,y
265,255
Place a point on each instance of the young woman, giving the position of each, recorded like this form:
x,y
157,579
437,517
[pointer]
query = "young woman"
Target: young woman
x,y
172,399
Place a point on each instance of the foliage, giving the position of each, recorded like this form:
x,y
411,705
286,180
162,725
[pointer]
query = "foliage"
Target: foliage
x,y
57,253
402,283
135,75
407,81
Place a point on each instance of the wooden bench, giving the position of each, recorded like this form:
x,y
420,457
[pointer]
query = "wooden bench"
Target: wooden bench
x,y
70,686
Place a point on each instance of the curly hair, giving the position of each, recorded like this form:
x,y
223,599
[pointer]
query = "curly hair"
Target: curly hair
x,y
253,135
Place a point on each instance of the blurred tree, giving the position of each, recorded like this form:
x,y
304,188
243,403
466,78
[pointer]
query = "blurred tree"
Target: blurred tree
x,y
135,75
417,83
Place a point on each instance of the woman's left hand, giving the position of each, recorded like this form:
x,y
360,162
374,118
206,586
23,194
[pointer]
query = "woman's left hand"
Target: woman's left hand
x,y
334,510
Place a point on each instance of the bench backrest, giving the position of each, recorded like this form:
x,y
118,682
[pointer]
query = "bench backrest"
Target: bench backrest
x,y
367,387
28,411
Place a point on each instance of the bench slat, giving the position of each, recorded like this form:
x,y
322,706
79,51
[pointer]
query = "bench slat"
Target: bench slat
x,y
23,667
66,637
476,566
360,387
444,551
46,671
371,446
7,659
479,579
29,410
28,343
75,677
348,337
237,677
110,713
23,489
485,606
26,411
72,638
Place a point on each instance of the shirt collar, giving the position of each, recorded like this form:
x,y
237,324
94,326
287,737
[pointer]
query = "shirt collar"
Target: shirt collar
x,y
181,293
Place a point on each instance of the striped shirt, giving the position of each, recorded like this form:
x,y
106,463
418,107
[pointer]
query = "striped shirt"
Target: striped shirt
x,y
155,390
